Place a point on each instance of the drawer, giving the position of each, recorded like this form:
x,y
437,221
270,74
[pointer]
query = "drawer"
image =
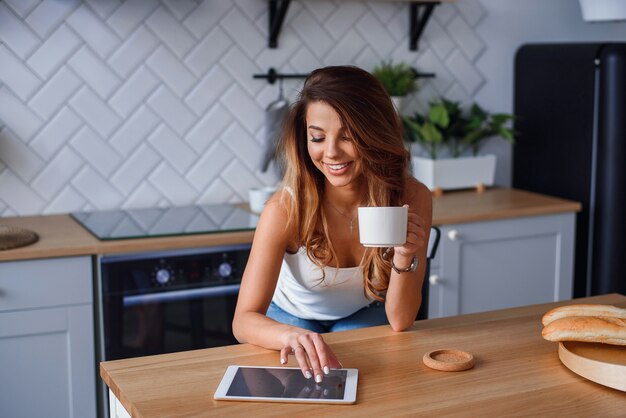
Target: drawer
x,y
45,282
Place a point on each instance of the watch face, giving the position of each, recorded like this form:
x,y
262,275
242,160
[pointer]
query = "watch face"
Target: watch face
x,y
414,263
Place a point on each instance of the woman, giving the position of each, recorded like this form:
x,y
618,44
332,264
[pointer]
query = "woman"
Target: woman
x,y
307,272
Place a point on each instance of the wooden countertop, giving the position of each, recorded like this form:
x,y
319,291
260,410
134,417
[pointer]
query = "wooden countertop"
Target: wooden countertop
x,y
61,236
517,373
499,203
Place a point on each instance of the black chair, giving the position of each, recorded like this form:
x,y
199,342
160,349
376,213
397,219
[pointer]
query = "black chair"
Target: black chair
x,y
433,243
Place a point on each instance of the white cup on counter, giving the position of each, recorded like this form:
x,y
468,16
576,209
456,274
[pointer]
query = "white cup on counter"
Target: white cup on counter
x,y
383,226
259,196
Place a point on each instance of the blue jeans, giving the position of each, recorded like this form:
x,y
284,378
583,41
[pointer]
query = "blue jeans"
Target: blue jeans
x,y
369,316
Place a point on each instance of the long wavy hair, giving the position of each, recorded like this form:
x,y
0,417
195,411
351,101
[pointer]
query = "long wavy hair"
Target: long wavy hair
x,y
366,111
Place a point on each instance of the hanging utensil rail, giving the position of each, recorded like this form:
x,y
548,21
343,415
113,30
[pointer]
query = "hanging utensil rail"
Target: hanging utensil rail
x,y
272,75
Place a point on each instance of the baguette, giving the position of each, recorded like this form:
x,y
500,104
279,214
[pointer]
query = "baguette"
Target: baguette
x,y
588,329
606,311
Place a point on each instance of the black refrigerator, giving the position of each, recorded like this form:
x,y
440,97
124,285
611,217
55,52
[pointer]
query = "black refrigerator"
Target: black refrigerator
x,y
570,102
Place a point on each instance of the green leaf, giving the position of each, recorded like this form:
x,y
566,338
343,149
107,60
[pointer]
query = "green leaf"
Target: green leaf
x,y
478,112
506,134
439,115
476,136
474,123
430,133
410,128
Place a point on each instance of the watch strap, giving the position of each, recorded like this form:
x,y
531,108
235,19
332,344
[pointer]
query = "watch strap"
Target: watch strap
x,y
410,268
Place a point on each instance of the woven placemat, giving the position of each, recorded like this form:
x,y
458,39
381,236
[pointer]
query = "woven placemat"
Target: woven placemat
x,y
13,237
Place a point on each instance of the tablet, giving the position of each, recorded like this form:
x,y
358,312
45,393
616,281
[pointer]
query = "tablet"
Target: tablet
x,y
286,384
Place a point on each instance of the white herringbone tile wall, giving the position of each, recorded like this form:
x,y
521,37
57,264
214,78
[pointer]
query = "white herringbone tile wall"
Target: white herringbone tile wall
x,y
138,103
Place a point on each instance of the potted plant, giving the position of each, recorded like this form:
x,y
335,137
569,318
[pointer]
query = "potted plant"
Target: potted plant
x,y
450,131
398,79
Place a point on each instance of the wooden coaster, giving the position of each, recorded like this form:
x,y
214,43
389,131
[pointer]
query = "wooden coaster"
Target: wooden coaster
x,y
12,237
449,360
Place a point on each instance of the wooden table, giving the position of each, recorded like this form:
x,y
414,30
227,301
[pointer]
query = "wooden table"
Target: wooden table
x,y
516,373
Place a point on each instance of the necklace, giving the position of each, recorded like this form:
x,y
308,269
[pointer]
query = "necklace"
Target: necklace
x,y
350,218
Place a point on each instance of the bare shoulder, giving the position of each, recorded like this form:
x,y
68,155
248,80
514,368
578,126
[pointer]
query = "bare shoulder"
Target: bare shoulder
x,y
274,225
417,195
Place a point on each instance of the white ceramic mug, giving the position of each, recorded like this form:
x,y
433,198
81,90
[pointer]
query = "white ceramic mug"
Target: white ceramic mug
x,y
258,197
383,226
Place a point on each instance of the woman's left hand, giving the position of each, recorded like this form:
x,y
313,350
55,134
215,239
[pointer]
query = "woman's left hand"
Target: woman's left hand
x,y
415,236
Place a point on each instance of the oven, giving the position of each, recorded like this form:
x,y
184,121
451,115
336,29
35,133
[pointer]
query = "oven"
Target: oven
x,y
155,303
170,301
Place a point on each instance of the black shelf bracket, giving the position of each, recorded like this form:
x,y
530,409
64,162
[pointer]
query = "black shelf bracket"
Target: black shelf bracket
x,y
419,13
418,17
277,13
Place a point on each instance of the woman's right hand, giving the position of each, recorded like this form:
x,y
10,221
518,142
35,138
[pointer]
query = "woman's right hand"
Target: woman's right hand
x,y
311,352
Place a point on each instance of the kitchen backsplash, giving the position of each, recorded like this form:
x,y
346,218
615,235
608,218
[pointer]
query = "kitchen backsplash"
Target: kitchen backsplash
x,y
137,103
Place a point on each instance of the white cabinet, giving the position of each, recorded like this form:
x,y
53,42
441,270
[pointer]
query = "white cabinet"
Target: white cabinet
x,y
483,266
47,362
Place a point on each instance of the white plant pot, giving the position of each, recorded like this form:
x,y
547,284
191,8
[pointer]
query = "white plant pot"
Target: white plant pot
x,y
603,10
455,173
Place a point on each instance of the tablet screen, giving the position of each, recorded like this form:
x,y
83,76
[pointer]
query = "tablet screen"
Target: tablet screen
x,y
286,383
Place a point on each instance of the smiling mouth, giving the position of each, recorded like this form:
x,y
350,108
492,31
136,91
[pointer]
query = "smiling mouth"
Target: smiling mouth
x,y
337,167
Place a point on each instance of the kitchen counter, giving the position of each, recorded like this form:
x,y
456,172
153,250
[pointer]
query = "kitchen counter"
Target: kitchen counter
x,y
60,235
517,373
499,203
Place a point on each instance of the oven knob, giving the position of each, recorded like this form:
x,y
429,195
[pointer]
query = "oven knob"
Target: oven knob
x,y
225,270
163,276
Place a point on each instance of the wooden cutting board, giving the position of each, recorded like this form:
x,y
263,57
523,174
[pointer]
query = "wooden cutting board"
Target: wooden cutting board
x,y
602,363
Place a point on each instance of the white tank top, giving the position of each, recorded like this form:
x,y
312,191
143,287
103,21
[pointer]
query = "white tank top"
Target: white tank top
x,y
301,292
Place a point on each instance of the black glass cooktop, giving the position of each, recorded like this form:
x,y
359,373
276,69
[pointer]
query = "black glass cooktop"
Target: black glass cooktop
x,y
159,222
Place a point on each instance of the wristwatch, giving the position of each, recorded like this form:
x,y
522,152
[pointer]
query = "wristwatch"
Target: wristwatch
x,y
410,268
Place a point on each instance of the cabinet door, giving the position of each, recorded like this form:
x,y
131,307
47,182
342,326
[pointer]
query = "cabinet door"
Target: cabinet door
x,y
498,264
47,355
47,363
